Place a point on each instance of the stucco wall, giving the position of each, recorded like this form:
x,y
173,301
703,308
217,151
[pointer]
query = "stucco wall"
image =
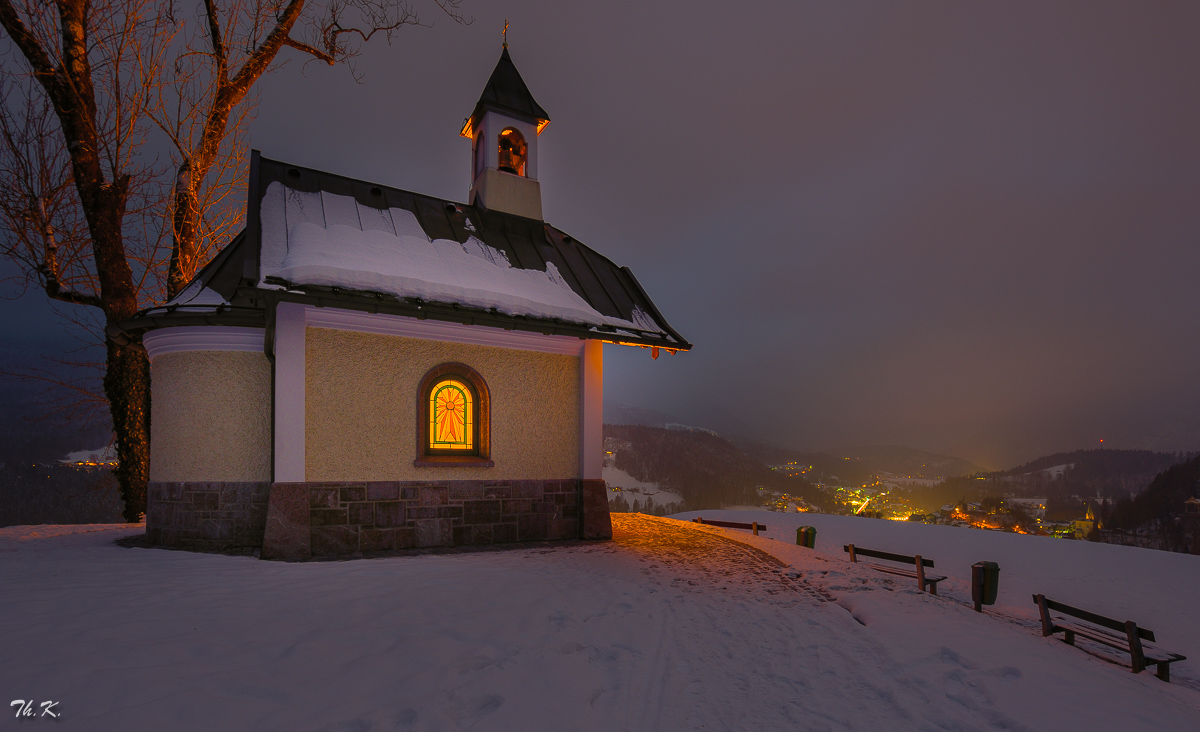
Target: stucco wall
x,y
361,408
210,417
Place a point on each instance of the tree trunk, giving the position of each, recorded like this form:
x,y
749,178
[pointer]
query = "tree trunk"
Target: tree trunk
x,y
127,386
186,227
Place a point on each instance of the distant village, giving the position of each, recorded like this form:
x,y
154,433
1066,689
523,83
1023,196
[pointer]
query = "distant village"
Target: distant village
x,y
898,498
885,499
1132,497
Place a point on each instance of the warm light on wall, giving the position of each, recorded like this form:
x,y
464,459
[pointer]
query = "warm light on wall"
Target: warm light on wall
x,y
653,349
468,129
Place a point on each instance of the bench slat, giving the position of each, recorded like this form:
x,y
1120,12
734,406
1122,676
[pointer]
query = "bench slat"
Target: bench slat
x,y
886,555
1094,619
902,572
1132,642
730,524
1121,644
1095,633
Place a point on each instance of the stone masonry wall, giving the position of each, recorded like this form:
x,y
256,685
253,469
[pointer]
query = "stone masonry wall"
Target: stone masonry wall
x,y
348,518
302,520
217,516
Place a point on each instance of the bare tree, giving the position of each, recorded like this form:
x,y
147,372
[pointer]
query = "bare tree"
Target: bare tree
x,y
86,212
222,59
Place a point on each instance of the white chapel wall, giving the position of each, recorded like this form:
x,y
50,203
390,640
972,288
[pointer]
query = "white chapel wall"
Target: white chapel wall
x,y
361,408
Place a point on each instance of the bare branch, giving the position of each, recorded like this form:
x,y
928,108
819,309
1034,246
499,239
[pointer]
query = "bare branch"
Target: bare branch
x,y
55,292
25,40
89,212
316,53
214,30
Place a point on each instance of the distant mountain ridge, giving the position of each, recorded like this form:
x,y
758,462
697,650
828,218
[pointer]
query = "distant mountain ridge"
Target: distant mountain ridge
x,y
1100,462
857,464
704,468
1158,518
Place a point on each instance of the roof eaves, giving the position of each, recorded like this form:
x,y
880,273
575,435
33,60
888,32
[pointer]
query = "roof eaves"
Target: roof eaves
x,y
654,311
373,302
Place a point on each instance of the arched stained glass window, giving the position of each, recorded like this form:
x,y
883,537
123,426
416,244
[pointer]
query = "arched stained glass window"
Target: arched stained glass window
x,y
451,416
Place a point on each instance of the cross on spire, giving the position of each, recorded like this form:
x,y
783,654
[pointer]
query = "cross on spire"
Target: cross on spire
x,y
506,32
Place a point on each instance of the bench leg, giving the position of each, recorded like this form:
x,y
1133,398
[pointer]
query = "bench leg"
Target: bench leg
x,y
921,574
1047,625
1135,647
1164,671
1069,637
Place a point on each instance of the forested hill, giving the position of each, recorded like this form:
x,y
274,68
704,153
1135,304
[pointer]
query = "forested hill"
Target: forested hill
x,y
1108,473
707,470
1092,463
1162,501
859,464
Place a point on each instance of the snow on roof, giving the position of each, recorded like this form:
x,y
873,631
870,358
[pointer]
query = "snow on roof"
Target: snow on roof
x,y
198,293
312,236
322,238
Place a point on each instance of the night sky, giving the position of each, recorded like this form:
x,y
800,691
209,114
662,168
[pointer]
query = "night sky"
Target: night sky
x,y
968,228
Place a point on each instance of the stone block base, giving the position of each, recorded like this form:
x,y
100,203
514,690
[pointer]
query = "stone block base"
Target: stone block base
x,y
347,519
297,521
287,532
596,522
214,516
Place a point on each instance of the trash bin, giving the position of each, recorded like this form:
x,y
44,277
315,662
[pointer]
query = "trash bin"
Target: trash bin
x,y
985,583
806,536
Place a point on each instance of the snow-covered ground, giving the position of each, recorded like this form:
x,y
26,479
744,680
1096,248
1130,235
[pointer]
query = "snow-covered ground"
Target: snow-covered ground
x,y
1157,590
105,455
620,483
669,627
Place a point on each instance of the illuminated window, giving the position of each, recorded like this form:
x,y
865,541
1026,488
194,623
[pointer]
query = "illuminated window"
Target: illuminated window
x,y
512,151
453,418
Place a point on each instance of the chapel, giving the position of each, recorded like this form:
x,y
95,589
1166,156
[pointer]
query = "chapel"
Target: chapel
x,y
365,369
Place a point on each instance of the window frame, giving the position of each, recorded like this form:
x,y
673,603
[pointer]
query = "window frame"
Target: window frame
x,y
480,455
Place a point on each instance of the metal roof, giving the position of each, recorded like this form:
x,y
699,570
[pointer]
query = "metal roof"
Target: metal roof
x,y
506,92
235,274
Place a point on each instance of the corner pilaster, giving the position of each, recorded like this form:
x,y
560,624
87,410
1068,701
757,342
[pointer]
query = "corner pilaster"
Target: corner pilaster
x,y
591,442
289,392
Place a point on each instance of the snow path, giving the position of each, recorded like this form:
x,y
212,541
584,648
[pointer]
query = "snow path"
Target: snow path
x,y
1159,590
668,627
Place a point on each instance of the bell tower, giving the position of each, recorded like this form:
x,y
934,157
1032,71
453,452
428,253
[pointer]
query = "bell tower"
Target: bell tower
x,y
504,131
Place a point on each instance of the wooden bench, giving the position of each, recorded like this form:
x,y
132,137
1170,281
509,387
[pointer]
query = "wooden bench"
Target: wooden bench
x,y
754,526
1128,636
917,572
